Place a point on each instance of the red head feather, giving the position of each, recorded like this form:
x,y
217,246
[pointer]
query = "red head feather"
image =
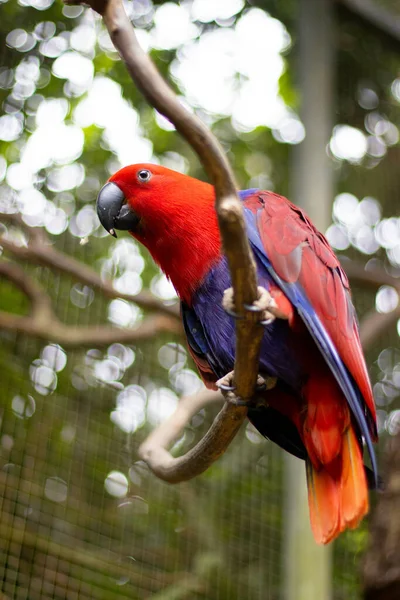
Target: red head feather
x,y
178,223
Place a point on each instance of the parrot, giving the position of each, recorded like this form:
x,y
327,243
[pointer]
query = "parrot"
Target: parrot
x,y
321,408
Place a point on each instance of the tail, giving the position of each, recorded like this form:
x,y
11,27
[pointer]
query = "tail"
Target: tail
x,y
338,492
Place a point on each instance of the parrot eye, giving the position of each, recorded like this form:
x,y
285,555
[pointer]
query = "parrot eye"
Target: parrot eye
x,y
144,175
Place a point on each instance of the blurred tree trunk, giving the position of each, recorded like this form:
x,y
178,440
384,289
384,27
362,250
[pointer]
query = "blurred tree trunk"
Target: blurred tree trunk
x,y
307,567
382,563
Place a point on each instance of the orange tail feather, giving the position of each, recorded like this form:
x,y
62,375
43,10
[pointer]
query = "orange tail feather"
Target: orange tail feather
x,y
354,488
338,497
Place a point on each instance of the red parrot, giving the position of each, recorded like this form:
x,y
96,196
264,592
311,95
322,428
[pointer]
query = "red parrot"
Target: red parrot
x,y
321,408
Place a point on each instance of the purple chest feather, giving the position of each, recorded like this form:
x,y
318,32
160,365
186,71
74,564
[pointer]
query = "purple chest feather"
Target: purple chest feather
x,y
276,358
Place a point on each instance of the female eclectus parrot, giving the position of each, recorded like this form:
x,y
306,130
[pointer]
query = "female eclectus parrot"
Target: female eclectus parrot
x,y
321,408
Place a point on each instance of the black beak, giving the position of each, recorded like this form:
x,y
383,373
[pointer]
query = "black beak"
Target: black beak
x,y
113,210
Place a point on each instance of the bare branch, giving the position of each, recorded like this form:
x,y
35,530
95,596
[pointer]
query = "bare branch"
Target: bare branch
x,y
40,302
228,206
374,323
375,16
42,322
52,330
154,449
40,251
372,278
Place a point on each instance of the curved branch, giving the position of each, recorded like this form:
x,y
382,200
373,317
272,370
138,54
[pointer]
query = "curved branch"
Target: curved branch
x,y
40,251
158,93
42,322
69,337
154,449
40,303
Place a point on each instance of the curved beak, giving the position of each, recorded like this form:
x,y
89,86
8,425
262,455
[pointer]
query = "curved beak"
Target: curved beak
x,y
113,210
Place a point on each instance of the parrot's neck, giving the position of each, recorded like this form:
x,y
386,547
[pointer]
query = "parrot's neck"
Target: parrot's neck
x,y
184,240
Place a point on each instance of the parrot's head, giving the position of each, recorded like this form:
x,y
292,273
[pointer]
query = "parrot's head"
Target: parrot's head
x,y
172,214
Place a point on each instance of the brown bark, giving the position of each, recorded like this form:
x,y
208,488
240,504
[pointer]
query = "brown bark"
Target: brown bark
x,y
42,322
40,251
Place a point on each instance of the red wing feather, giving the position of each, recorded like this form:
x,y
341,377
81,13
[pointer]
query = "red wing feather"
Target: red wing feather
x,y
299,253
206,373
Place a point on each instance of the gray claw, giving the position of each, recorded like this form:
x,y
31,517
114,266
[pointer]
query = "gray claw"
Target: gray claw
x,y
226,388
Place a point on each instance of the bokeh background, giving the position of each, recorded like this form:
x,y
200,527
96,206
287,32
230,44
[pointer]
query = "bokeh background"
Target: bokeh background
x,y
81,516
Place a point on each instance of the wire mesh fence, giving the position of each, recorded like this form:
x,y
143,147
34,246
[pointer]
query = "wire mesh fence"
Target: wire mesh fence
x,y
81,516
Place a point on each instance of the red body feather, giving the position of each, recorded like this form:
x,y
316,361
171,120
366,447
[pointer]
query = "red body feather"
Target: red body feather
x,y
178,223
179,227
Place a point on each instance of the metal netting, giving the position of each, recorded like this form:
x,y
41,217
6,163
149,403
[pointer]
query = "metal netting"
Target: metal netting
x,y
81,516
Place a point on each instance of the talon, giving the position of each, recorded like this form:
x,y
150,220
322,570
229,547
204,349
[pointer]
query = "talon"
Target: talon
x,y
266,383
237,401
261,384
226,388
267,321
225,384
253,308
263,306
228,304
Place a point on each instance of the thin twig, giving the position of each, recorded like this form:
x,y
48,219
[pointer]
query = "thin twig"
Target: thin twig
x,y
40,303
39,251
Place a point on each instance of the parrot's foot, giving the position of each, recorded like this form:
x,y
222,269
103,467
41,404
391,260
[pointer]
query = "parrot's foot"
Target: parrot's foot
x,y
264,305
226,385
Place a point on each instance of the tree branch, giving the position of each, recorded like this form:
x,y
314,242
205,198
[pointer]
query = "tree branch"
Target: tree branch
x,y
40,251
374,324
41,310
154,449
380,19
373,278
42,322
233,233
